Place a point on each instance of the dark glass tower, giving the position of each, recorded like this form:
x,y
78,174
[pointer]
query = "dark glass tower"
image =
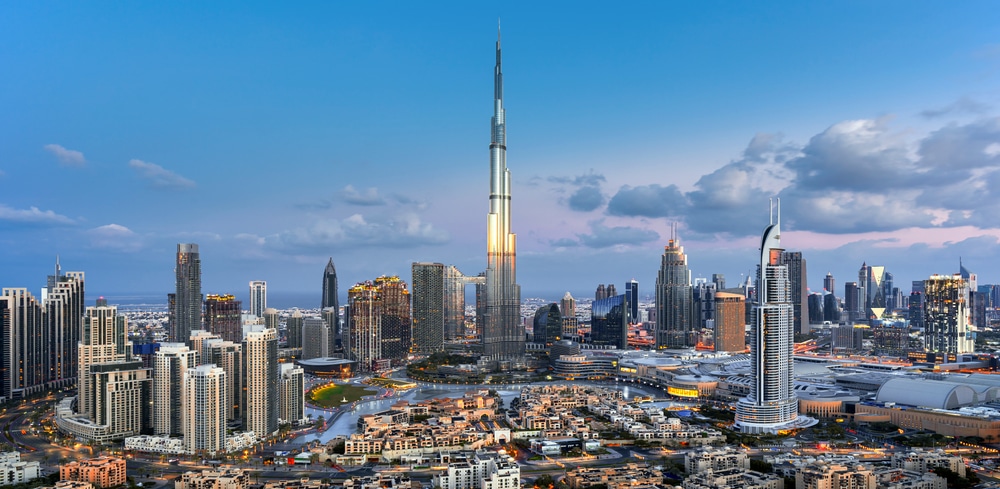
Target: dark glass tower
x,y
188,298
632,296
331,300
428,307
503,335
608,322
547,325
674,298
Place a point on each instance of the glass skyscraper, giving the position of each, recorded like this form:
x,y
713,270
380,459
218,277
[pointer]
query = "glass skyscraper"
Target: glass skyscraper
x,y
609,322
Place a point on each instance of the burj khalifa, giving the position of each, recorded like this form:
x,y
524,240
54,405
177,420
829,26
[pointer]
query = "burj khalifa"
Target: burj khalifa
x,y
503,335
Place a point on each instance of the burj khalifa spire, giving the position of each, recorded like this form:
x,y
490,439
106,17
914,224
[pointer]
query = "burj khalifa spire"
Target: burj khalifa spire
x,y
503,335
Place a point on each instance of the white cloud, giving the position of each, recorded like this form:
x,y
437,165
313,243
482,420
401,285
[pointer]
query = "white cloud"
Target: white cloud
x,y
369,197
402,231
32,215
114,237
66,157
158,177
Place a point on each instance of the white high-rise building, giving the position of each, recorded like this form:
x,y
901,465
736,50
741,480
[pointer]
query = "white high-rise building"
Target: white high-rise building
x,y
205,410
104,339
771,405
258,297
197,341
291,394
170,364
260,378
229,357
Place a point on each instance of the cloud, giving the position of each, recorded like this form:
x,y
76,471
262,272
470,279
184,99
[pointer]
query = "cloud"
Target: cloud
x,y
160,178
962,105
115,237
369,197
410,202
402,231
564,243
586,199
32,215
602,236
648,201
589,179
66,157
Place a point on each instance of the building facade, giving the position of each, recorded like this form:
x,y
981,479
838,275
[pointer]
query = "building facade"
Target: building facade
x,y
315,338
730,322
428,307
205,410
609,322
291,394
947,315
260,378
223,316
674,298
170,366
258,297
187,299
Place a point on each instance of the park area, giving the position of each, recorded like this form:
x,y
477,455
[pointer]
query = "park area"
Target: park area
x,y
333,395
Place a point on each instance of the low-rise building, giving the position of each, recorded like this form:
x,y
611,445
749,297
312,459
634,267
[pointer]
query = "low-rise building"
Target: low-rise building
x,y
228,478
620,477
889,478
715,459
729,478
926,461
15,471
480,470
824,476
102,472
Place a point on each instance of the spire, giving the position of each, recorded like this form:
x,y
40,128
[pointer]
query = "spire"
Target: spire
x,y
498,73
330,267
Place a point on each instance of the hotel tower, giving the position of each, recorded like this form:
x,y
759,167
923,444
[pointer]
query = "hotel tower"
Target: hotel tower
x,y
771,405
503,334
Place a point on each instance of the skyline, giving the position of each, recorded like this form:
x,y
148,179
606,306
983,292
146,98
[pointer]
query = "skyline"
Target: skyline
x,y
133,129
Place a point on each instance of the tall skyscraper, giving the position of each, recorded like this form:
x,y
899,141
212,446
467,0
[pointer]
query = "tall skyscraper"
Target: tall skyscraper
x,y
24,344
330,298
730,331
600,293
271,319
258,297
291,394
632,296
947,327
363,341
260,380
222,317
853,302
229,357
798,282
293,328
63,300
187,299
503,334
428,307
829,283
170,365
719,280
567,306
204,415
608,322
315,338
454,302
332,318
396,323
771,405
674,297
104,339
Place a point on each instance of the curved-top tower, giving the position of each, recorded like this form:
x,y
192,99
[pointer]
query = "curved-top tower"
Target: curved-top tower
x,y
771,405
503,335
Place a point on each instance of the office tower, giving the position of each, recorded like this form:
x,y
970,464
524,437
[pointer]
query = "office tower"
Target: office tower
x,y
330,298
104,339
453,295
916,304
291,394
332,318
293,329
315,338
852,302
601,293
187,299
864,287
703,304
831,308
891,338
846,338
719,280
222,317
608,322
229,357
982,305
63,300
378,323
829,283
503,334
875,299
396,324
258,297
889,292
24,344
260,382
568,309
815,301
547,325
170,365
271,319
205,410
799,289
428,307
632,296
197,341
730,321
611,290
771,404
674,310
946,315
480,305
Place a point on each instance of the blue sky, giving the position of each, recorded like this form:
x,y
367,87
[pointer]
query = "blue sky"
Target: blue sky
x,y
275,136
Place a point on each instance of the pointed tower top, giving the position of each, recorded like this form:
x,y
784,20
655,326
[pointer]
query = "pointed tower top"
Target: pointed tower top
x,y
330,267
